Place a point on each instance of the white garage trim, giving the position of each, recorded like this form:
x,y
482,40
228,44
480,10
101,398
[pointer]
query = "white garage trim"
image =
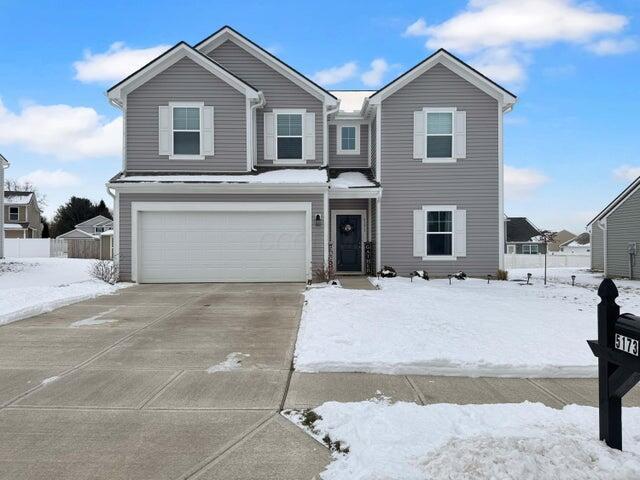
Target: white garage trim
x,y
138,207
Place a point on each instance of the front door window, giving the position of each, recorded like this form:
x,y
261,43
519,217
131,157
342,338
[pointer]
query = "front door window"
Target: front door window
x,y
349,243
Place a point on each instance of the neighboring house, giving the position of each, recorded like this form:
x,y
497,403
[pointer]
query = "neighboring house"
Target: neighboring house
x,y
92,238
522,237
4,163
580,245
615,235
560,237
22,215
238,168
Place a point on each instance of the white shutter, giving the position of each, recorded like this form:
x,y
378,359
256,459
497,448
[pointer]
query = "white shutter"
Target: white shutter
x,y
460,135
269,136
460,233
309,140
207,131
164,130
418,233
419,139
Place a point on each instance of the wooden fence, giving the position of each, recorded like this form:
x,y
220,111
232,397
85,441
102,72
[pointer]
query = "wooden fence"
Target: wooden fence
x,y
83,248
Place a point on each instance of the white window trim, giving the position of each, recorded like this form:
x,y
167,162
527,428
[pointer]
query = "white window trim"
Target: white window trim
x,y
363,237
452,111
198,105
17,213
138,207
440,208
339,149
289,111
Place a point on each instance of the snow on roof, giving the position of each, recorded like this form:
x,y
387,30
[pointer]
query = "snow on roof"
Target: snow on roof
x,y
97,220
17,198
274,176
351,180
352,100
107,233
13,226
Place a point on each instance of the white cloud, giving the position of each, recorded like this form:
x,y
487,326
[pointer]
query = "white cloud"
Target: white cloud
x,y
333,75
613,46
51,179
374,76
505,29
116,63
627,173
61,131
521,183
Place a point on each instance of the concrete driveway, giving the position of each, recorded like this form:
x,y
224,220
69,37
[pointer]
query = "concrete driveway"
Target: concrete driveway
x,y
126,394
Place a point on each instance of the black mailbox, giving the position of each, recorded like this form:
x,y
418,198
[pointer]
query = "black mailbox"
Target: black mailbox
x,y
618,361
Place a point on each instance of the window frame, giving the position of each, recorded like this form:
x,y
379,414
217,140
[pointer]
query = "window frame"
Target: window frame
x,y
17,213
530,247
200,107
339,127
440,208
290,111
427,111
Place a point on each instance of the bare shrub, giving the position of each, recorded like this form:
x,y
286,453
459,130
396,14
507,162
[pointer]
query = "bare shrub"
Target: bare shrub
x,y
324,274
502,275
105,270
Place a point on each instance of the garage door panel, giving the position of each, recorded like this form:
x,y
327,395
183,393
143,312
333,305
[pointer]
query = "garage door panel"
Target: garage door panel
x,y
222,246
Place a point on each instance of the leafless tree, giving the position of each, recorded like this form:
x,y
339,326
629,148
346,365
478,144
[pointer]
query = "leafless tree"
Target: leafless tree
x,y
26,186
546,237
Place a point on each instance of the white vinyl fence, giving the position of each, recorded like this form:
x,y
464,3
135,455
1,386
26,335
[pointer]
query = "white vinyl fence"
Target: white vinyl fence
x,y
34,247
554,260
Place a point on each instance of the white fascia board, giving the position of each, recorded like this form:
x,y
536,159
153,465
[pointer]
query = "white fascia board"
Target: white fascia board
x,y
227,34
355,192
166,60
458,68
231,188
3,161
630,190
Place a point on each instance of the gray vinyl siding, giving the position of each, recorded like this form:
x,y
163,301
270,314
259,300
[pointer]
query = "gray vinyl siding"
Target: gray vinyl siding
x,y
373,144
623,226
349,161
470,184
597,248
186,81
317,207
279,92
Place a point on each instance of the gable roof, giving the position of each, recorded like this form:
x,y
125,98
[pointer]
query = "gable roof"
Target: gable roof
x,y
582,239
13,197
170,57
453,63
606,211
97,220
77,233
520,229
228,33
3,161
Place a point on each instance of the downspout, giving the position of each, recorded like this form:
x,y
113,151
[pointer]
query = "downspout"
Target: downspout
x,y
325,135
253,114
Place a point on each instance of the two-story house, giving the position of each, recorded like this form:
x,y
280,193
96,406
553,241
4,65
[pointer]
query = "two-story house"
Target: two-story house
x,y
239,168
22,215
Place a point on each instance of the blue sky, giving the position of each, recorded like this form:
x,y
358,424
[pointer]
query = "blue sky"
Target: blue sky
x,y
571,143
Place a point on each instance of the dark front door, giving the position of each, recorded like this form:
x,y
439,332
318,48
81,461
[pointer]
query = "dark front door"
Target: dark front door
x,y
349,243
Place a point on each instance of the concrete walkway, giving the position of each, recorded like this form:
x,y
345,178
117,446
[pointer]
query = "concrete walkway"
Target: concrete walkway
x,y
149,390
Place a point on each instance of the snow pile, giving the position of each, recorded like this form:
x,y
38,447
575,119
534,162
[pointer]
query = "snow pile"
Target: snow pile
x,y
350,180
49,380
473,442
468,328
233,362
33,286
287,175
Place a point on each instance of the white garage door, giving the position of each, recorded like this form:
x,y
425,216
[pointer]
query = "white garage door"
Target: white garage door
x,y
221,246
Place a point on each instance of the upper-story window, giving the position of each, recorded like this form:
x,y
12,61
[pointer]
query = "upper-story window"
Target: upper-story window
x,y
289,136
14,214
348,139
439,134
186,130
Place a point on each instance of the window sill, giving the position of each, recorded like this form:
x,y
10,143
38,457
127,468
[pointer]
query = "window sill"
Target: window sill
x,y
289,161
439,160
348,152
440,258
186,157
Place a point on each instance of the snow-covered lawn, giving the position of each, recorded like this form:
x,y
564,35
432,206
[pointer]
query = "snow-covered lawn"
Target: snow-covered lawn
x,y
584,277
525,441
30,286
468,328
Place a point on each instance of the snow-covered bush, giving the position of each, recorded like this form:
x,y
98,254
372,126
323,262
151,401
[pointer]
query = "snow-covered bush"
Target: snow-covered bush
x,y
460,275
388,272
419,273
105,270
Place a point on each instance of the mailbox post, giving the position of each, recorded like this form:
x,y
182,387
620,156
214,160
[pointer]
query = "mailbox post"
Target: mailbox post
x,y
618,361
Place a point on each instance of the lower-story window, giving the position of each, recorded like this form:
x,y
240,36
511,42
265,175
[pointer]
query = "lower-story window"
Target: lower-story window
x,y
439,233
530,249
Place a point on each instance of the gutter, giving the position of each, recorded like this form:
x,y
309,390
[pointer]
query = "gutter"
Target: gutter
x,y
254,151
325,137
